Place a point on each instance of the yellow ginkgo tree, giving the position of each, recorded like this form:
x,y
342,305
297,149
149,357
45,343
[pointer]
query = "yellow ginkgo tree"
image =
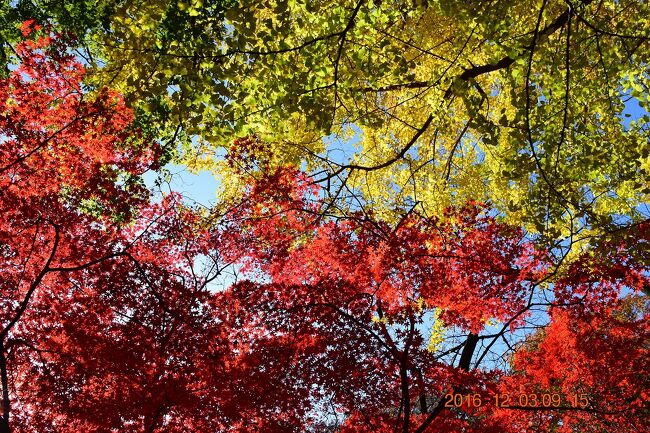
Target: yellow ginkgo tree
x,y
538,107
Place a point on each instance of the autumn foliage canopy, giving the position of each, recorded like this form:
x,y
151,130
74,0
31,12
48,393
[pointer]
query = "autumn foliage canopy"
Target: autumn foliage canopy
x,y
304,301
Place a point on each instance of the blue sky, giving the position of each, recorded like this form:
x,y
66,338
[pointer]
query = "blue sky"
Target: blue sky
x,y
198,188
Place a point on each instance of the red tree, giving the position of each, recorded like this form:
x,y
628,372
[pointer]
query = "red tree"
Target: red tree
x,y
102,317
334,321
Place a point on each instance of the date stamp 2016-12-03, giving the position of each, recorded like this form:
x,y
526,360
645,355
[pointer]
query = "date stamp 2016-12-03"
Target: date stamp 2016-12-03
x,y
531,401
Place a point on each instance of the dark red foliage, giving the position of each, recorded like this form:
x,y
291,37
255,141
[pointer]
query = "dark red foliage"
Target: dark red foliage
x,y
336,316
103,322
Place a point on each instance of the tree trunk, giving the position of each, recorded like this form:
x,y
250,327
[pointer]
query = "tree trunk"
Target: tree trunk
x,y
4,419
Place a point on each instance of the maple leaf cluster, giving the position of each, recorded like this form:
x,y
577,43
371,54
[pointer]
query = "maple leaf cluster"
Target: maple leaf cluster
x,y
95,277
346,304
